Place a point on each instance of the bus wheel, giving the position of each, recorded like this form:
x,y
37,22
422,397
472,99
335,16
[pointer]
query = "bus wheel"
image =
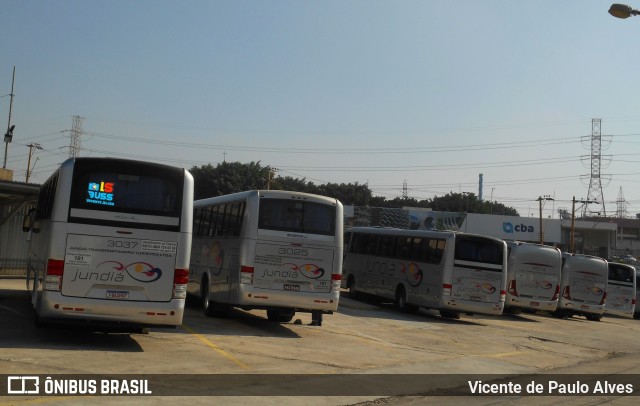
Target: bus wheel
x,y
449,314
280,316
351,284
512,310
209,307
39,322
593,317
401,302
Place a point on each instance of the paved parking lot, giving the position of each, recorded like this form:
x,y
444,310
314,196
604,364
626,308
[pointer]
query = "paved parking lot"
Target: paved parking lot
x,y
361,338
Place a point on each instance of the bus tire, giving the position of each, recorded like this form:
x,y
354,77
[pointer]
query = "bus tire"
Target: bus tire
x,y
512,310
593,317
449,314
401,302
209,307
39,322
280,316
351,285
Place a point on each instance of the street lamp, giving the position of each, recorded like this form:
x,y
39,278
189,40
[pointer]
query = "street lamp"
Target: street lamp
x,y
622,11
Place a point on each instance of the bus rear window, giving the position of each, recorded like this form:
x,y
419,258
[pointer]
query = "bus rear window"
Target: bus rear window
x,y
127,190
478,250
297,216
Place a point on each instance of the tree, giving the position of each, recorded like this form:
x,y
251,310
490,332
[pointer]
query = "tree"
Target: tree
x,y
348,193
293,184
469,203
232,177
228,177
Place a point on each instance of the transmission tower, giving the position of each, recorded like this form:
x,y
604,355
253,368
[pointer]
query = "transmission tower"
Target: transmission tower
x,y
595,181
75,144
405,191
621,206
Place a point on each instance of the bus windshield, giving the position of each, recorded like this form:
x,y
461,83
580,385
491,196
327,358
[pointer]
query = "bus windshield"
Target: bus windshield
x,y
297,216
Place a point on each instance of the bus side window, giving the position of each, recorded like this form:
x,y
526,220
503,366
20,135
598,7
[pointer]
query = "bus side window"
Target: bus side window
x,y
196,221
440,246
372,245
205,225
362,241
387,245
239,219
403,247
418,249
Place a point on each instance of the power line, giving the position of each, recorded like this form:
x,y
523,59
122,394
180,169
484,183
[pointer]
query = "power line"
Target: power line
x,y
346,150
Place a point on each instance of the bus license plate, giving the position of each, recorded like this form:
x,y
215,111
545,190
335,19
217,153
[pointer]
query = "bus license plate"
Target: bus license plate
x,y
117,294
475,298
534,304
584,307
295,288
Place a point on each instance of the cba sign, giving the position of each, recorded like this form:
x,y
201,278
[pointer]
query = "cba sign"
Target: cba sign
x,y
509,228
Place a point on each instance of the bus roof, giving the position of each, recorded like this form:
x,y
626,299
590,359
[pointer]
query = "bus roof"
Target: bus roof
x,y
266,193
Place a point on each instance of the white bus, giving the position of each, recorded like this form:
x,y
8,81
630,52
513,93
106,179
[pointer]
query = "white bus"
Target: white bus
x,y
583,286
621,290
109,244
448,271
274,250
533,277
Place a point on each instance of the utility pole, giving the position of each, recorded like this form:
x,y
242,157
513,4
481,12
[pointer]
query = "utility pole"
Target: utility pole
x,y
573,221
270,176
9,135
31,147
540,199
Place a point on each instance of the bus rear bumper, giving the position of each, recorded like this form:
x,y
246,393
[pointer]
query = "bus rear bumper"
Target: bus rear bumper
x,y
494,309
580,308
542,305
619,312
302,302
56,307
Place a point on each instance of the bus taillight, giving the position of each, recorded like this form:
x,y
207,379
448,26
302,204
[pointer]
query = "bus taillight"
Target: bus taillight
x,y
336,281
53,278
446,289
180,279
512,288
503,295
246,274
566,294
556,293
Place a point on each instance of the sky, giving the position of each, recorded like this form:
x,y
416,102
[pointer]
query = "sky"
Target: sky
x,y
428,93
